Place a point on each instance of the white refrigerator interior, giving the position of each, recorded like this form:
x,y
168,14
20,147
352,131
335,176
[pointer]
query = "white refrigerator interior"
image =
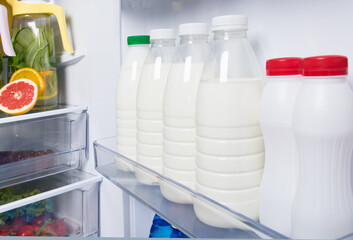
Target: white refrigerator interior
x,y
277,28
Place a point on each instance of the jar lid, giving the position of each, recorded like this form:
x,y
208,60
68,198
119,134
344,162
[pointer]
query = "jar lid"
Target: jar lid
x,y
138,39
230,22
284,66
193,29
164,33
329,65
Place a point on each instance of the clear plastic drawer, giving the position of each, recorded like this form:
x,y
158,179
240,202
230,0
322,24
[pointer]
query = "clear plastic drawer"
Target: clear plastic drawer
x,y
43,143
69,200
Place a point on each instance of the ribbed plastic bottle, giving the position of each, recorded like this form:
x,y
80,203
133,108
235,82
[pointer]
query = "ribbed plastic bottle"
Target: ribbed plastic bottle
x,y
323,129
229,142
126,94
280,173
150,96
179,133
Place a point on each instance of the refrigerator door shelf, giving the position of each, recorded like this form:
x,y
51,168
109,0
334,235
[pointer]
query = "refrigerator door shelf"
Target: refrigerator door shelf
x,y
60,109
66,59
182,216
42,143
72,197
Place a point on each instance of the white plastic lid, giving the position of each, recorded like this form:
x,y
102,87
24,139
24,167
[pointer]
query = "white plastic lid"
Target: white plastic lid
x,y
5,34
230,22
165,33
193,29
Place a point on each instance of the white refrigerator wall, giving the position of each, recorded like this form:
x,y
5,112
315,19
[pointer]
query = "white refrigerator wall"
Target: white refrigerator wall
x,y
94,27
277,28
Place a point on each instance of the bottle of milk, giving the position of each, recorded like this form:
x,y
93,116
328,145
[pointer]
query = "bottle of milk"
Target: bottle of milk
x,y
323,129
229,142
276,118
150,96
179,133
126,93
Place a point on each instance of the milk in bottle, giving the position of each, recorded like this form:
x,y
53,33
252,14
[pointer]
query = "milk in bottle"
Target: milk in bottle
x,y
323,130
280,172
126,92
150,96
229,142
179,134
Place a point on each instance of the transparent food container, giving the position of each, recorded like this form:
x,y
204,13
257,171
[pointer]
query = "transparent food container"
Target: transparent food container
x,y
70,199
43,143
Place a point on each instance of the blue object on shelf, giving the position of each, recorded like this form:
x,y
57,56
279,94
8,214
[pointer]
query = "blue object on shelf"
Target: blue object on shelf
x,y
162,229
177,234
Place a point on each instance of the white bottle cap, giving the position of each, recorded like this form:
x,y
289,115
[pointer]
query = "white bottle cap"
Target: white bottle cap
x,y
230,22
166,33
193,29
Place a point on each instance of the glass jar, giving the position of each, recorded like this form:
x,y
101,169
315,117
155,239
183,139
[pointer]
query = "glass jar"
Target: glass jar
x,y
33,41
1,73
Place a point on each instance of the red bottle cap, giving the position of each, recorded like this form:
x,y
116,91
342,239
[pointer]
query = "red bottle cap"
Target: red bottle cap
x,y
330,65
284,66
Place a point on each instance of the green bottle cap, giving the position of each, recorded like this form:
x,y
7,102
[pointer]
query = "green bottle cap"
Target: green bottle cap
x,y
139,39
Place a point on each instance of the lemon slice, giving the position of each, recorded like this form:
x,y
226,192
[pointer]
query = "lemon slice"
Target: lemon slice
x,y
31,74
51,85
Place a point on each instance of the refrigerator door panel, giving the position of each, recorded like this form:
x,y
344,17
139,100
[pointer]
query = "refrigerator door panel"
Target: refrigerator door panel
x,y
181,216
276,29
308,29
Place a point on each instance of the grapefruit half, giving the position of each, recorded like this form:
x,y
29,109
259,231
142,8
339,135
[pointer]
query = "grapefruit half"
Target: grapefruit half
x,y
31,74
18,97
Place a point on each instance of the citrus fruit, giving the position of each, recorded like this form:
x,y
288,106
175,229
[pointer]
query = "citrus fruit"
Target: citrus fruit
x,y
31,74
51,85
18,97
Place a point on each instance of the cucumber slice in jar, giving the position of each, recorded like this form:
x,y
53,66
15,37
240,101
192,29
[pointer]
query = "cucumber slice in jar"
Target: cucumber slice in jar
x,y
25,36
41,61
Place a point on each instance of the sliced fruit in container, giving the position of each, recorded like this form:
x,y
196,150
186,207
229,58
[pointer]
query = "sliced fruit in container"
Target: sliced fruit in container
x,y
31,74
18,97
51,85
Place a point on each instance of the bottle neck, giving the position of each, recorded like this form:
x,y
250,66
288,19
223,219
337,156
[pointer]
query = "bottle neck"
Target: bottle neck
x,y
226,35
284,78
324,79
193,39
138,45
163,43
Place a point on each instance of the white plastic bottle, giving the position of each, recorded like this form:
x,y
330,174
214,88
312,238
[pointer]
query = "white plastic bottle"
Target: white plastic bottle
x,y
280,173
179,133
323,129
126,93
150,96
229,142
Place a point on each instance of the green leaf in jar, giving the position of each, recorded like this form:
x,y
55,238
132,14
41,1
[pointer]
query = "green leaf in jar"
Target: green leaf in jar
x,y
33,51
34,47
